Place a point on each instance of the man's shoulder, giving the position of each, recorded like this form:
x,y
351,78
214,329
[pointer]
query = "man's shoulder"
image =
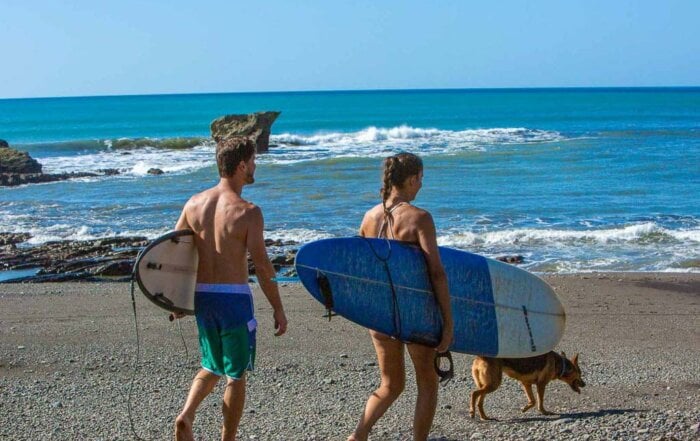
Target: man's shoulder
x,y
248,210
202,195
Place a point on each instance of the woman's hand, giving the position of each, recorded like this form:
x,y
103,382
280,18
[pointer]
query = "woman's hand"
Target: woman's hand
x,y
446,339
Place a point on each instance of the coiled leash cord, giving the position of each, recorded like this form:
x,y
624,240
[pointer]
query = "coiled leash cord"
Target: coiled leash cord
x,y
445,374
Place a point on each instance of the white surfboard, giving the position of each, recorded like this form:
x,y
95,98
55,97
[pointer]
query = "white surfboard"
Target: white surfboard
x,y
166,271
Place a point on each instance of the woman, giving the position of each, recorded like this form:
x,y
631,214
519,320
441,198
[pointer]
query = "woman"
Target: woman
x,y
396,218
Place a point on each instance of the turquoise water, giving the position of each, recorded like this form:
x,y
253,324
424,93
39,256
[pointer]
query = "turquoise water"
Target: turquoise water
x,y
572,179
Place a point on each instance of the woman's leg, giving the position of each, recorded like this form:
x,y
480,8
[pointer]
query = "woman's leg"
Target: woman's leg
x,y
427,381
393,376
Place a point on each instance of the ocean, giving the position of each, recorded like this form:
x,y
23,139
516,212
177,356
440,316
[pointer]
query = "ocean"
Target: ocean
x,y
573,180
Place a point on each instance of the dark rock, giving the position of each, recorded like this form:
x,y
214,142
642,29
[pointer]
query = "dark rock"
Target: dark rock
x,y
278,260
90,260
73,256
155,171
109,171
3,143
14,179
14,161
18,168
516,259
279,243
118,268
255,125
13,238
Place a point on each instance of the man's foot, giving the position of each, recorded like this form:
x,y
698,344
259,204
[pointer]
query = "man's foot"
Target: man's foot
x,y
183,429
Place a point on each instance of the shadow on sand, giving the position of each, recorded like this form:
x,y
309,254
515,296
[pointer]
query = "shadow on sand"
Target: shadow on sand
x,y
551,418
575,415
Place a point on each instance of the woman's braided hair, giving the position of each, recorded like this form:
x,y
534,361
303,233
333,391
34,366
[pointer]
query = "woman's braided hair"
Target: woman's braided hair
x,y
397,169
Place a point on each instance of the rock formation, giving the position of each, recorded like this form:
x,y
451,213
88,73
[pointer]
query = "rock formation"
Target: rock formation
x,y
254,125
17,168
14,161
93,260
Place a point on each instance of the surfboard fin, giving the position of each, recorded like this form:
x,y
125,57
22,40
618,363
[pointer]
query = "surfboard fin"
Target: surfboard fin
x,y
325,286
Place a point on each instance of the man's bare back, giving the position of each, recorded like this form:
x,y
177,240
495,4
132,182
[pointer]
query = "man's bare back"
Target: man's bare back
x,y
220,219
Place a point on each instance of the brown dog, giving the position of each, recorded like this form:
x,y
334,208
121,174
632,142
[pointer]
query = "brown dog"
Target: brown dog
x,y
540,370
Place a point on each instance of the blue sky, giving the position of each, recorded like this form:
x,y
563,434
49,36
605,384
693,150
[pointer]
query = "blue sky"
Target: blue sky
x,y
81,47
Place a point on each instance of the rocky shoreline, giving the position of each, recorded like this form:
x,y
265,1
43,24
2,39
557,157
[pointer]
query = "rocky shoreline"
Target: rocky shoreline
x,y
96,260
19,168
111,258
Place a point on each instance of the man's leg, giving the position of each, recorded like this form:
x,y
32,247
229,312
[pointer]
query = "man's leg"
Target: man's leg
x,y
234,400
393,377
202,385
427,382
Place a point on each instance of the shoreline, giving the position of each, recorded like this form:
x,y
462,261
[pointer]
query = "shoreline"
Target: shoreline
x,y
67,353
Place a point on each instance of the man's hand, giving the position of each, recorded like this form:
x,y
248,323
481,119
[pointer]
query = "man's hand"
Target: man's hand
x,y
446,340
280,322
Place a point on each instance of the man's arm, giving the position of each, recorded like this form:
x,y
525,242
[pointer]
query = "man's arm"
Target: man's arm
x,y
182,223
264,270
427,238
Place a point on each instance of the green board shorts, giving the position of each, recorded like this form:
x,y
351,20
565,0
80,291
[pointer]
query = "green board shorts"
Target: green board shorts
x,y
227,325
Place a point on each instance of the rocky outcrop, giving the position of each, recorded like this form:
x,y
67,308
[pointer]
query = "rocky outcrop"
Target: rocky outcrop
x,y
95,260
255,125
515,259
14,161
14,179
18,168
13,238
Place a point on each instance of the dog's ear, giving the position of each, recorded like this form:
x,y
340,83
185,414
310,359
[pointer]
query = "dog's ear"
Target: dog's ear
x,y
575,360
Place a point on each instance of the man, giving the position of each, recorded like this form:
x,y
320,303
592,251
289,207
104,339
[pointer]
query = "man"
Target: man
x,y
226,228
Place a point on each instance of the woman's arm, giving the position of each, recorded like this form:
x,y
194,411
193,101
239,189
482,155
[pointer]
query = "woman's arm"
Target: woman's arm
x,y
427,239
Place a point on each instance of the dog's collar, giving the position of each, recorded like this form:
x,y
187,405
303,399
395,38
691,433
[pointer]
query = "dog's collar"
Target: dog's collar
x,y
563,367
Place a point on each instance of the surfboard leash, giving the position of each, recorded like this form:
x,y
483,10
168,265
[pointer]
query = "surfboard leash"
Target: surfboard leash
x,y
445,374
394,296
136,362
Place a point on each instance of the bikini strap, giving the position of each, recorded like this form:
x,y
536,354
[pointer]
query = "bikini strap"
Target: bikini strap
x,y
388,221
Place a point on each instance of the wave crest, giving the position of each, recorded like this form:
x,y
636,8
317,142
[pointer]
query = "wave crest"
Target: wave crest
x,y
641,234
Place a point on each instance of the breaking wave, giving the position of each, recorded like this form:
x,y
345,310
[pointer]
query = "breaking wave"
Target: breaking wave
x,y
646,233
377,142
135,156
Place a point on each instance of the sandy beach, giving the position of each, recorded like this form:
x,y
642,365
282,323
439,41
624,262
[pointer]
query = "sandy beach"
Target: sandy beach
x,y
67,355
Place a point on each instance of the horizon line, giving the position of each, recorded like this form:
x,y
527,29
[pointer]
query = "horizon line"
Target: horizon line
x,y
446,89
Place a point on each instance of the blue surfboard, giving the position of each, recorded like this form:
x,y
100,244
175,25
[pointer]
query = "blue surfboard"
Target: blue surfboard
x,y
498,310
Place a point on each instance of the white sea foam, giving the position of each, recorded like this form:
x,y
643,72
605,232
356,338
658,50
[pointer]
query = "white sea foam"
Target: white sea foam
x,y
375,142
135,162
635,233
291,148
299,235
